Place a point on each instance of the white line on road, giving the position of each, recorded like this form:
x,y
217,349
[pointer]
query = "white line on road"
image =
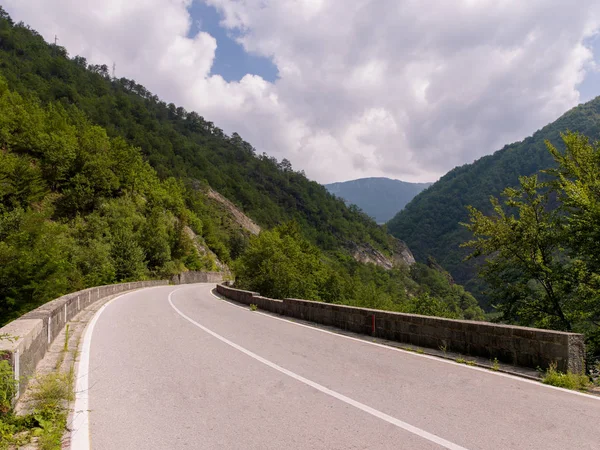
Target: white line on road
x,y
374,412
80,427
413,354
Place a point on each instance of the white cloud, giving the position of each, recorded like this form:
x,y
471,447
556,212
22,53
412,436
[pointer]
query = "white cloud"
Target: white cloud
x,y
400,88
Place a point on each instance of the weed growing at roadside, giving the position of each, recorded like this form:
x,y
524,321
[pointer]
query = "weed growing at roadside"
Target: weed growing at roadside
x,y
569,380
253,307
460,360
51,397
470,363
444,348
420,350
66,346
495,364
49,401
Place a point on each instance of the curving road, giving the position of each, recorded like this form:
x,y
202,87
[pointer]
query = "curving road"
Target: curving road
x,y
177,368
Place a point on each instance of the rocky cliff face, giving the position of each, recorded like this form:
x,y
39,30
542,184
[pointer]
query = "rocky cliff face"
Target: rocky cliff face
x,y
401,252
203,250
242,219
401,255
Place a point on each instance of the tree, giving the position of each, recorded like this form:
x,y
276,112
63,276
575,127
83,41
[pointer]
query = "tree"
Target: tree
x,y
543,245
524,271
281,264
5,16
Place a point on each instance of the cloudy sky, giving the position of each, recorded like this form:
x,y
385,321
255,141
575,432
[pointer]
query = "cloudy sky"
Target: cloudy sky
x,y
345,89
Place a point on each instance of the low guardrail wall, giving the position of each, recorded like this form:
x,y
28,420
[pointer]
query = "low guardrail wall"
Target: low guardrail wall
x,y
197,277
26,339
522,346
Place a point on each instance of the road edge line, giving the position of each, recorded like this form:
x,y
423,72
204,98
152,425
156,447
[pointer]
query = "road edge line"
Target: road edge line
x,y
80,425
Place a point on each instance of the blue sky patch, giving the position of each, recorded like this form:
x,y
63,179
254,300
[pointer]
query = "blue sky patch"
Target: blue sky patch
x,y
232,62
590,86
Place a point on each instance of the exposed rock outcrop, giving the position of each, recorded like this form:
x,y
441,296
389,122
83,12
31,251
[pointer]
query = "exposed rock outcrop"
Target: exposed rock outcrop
x,y
204,250
365,253
401,253
242,219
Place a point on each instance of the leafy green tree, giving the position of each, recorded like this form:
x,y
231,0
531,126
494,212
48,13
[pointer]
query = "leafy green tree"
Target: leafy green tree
x,y
542,244
525,272
430,223
156,239
127,255
280,264
35,260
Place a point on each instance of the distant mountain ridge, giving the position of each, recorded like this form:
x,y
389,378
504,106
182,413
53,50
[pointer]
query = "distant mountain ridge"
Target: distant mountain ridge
x,y
379,197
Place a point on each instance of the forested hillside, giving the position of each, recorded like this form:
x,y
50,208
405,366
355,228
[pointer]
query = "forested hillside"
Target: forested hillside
x,y
430,223
379,198
80,209
180,143
101,181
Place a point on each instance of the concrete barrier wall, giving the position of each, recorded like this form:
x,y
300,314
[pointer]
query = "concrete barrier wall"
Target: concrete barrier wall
x,y
27,339
197,277
528,347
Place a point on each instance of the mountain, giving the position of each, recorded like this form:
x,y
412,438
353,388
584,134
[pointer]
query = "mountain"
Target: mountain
x,y
430,223
380,198
101,181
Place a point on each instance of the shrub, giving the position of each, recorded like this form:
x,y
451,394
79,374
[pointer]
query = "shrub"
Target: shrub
x,y
567,380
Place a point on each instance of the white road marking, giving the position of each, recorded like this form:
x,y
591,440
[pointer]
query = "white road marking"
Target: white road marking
x,y
80,427
374,412
413,354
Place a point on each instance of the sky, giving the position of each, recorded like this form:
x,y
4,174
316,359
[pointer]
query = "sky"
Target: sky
x,y
405,89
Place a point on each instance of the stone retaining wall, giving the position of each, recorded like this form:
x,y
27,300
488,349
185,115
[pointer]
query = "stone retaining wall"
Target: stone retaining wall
x,y
522,346
197,277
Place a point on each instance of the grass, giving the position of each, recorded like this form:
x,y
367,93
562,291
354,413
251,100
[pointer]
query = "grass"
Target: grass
x,y
569,380
460,360
470,362
253,307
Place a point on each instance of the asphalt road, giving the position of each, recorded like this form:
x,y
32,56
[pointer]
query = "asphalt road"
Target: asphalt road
x,y
176,368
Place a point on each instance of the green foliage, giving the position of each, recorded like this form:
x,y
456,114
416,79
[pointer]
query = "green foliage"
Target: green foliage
x,y
430,223
495,364
541,254
8,386
437,285
281,264
80,209
177,143
49,400
526,272
569,380
101,182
